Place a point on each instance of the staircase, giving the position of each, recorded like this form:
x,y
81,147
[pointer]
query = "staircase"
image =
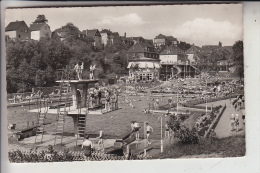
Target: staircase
x,y
81,127
40,126
64,88
60,121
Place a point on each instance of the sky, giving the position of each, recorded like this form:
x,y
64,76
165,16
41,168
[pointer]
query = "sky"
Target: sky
x,y
198,24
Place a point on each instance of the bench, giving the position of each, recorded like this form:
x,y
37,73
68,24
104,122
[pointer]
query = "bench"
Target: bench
x,y
27,132
96,107
59,105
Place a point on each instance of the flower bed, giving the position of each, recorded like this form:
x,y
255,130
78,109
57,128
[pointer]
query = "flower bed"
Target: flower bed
x,y
51,155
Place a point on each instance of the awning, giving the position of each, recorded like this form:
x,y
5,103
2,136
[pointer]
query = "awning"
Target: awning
x,y
150,65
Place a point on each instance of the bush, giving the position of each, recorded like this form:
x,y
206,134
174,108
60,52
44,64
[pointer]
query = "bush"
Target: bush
x,y
51,155
187,136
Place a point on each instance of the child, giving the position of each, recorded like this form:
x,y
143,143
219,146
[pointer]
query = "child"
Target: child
x,y
237,122
232,121
136,129
149,130
101,138
167,131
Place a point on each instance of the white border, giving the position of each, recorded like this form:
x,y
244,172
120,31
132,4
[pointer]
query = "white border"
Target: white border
x,y
249,163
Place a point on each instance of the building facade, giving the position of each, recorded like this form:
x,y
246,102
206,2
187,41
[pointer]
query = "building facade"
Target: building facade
x,y
175,63
18,30
94,36
40,30
161,40
144,69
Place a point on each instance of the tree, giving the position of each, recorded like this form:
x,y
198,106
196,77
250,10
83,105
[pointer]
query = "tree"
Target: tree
x,y
184,46
238,58
40,19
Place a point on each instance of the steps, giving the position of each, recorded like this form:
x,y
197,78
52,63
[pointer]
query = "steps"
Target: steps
x,y
40,127
81,128
60,121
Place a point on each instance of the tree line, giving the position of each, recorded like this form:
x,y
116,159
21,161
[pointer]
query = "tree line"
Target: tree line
x,y
35,63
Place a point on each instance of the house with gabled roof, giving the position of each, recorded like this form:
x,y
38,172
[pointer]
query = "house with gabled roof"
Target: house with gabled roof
x,y
105,36
171,54
39,30
61,33
161,40
94,36
193,53
142,49
175,63
143,62
18,30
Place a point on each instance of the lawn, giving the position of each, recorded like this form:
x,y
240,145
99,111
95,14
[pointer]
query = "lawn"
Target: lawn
x,y
233,146
113,123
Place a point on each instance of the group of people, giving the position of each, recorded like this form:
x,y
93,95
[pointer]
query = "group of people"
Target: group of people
x,y
136,127
234,120
88,146
110,96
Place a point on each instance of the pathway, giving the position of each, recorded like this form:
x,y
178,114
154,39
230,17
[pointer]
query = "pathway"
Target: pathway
x,y
223,128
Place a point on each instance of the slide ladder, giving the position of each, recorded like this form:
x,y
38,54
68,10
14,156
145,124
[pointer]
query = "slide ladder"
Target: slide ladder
x,y
40,121
60,121
40,126
81,127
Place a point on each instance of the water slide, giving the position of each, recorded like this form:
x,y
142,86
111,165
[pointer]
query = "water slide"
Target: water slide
x,y
178,70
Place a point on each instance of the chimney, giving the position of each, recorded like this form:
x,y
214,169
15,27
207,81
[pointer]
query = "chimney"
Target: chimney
x,y
125,34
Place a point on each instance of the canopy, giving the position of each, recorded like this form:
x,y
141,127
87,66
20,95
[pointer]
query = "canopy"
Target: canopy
x,y
144,65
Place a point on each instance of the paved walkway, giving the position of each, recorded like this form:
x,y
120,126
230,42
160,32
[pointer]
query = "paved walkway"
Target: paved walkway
x,y
223,128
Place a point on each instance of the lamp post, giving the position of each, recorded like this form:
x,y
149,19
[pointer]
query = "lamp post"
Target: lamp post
x,y
161,134
145,140
206,94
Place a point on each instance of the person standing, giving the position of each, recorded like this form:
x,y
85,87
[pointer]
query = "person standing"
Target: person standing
x,y
107,103
237,122
136,129
132,125
167,131
87,146
101,142
149,131
232,121
243,116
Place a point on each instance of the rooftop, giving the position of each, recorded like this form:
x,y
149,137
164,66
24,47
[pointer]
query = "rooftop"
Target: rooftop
x,y
12,26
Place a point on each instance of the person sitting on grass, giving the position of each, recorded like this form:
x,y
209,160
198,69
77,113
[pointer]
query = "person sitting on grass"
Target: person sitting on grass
x,y
87,146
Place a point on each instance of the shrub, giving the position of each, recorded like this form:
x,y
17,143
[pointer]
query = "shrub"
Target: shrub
x,y
187,136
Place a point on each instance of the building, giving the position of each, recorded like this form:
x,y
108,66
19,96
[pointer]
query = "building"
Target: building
x,y
175,63
161,40
105,36
93,36
144,69
40,30
143,62
61,33
171,54
18,30
193,53
142,49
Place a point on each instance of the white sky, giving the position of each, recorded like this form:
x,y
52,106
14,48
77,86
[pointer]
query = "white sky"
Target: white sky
x,y
198,24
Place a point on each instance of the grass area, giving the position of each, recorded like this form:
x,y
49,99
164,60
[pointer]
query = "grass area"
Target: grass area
x,y
233,146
